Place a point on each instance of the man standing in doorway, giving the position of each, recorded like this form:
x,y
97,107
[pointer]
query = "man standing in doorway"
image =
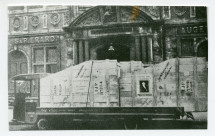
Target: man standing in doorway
x,y
111,53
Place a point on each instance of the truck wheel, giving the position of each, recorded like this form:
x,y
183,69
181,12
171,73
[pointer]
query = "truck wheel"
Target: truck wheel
x,y
43,124
128,124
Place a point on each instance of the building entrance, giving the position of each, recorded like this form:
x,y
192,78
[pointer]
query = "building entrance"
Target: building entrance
x,y
117,48
203,50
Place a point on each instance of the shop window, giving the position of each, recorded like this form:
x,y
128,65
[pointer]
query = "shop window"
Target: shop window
x,y
38,55
39,69
45,60
186,47
51,55
51,68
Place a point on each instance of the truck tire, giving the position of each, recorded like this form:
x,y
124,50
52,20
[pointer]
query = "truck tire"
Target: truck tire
x,y
129,124
43,124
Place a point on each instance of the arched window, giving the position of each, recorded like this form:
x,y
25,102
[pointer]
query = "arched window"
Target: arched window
x,y
202,50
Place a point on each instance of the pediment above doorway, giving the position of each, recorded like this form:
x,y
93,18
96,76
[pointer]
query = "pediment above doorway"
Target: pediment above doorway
x,y
110,15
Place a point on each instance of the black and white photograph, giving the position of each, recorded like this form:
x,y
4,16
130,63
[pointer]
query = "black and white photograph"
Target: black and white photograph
x,y
144,86
107,67
75,67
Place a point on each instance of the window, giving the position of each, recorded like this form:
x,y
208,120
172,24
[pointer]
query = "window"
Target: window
x,y
166,12
45,59
23,68
186,47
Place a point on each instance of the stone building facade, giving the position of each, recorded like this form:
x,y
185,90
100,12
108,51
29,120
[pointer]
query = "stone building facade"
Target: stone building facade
x,y
150,34
36,40
47,39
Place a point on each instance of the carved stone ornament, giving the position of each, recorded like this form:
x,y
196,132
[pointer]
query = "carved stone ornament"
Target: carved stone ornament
x,y
35,21
180,10
16,23
154,11
93,19
55,19
109,14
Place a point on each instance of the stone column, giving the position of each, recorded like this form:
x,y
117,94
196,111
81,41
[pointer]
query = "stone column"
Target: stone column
x,y
81,51
144,49
86,46
150,52
179,47
137,48
132,52
75,52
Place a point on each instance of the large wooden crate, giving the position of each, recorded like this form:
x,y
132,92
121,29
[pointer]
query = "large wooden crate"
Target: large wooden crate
x,y
175,82
179,82
89,84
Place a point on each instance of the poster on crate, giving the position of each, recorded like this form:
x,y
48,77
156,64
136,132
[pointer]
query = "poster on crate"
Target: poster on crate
x,y
144,85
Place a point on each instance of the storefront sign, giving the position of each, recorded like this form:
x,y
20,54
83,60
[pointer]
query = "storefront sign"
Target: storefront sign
x,y
194,29
38,39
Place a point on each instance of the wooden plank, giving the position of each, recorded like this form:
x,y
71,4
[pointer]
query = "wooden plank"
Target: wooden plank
x,y
114,98
127,80
79,104
195,89
184,68
79,98
91,89
126,101
126,94
125,87
100,98
114,85
177,81
186,61
186,95
100,104
114,104
133,85
46,104
81,51
107,79
202,104
201,68
143,102
125,67
75,52
154,102
201,60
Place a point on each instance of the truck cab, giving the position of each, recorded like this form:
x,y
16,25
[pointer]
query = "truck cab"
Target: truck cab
x,y
26,96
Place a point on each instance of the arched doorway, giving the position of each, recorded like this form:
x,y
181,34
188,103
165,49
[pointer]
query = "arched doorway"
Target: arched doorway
x,y
17,63
202,50
95,30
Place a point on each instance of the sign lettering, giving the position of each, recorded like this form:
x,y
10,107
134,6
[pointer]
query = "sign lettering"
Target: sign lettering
x,y
197,29
38,39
